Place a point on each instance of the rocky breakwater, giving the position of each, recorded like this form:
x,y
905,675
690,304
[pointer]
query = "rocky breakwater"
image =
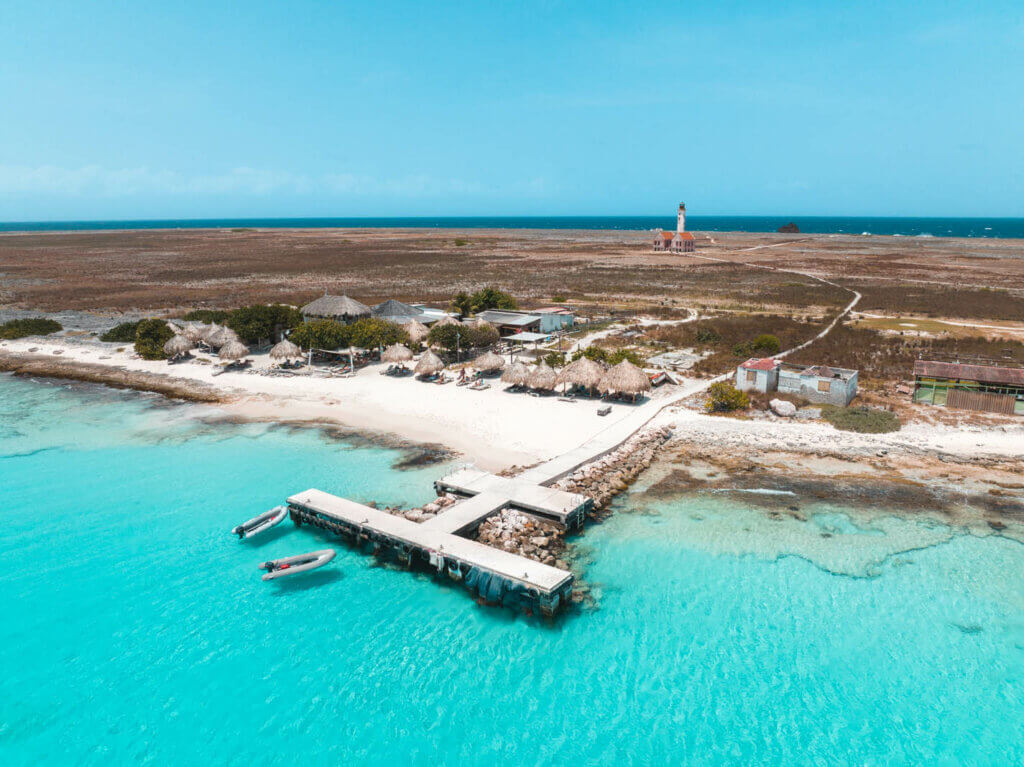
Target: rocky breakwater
x,y
611,474
525,535
422,513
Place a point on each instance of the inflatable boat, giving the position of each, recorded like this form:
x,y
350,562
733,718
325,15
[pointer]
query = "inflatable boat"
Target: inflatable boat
x,y
263,522
300,563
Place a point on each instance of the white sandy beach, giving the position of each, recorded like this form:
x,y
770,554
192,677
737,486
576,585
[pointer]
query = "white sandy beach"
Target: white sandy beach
x,y
494,428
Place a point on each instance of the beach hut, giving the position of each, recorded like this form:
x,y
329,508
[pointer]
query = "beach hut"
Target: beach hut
x,y
417,331
429,364
177,345
516,374
233,351
489,362
542,377
221,337
285,350
396,353
625,378
194,332
583,372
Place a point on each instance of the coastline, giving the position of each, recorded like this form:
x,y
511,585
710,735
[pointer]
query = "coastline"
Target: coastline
x,y
498,431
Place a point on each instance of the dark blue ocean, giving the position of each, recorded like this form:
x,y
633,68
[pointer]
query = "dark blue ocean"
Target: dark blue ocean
x,y
910,227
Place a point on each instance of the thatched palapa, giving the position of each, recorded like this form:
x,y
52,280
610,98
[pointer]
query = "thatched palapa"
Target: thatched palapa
x,y
583,372
446,320
285,350
179,344
489,361
340,308
542,377
516,374
396,353
194,332
233,350
221,337
429,364
417,331
625,378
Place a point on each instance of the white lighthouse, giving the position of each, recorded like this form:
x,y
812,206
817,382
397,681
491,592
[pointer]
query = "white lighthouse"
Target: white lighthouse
x,y
681,219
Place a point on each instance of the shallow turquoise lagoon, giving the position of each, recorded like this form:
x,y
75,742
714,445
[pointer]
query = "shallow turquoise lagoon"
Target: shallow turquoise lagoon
x,y
135,629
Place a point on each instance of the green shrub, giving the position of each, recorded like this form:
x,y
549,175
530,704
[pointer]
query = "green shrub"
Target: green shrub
x,y
150,337
373,332
263,321
207,315
461,243
864,420
765,345
724,397
554,359
707,336
123,333
452,337
30,326
321,334
600,354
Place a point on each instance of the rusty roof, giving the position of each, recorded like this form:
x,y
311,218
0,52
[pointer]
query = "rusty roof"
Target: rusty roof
x,y
981,373
760,364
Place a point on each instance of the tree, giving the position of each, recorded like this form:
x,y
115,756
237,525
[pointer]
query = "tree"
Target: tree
x,y
263,321
479,337
321,334
373,333
724,397
554,359
150,337
492,298
486,298
447,337
600,354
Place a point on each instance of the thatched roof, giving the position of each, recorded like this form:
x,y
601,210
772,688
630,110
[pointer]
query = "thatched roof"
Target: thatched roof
x,y
446,320
542,377
429,363
333,307
417,331
517,374
194,332
285,350
625,378
489,361
395,311
209,331
396,353
233,350
177,345
582,372
479,322
221,337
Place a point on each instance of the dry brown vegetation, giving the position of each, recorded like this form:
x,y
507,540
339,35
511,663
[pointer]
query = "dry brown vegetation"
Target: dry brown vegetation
x,y
611,269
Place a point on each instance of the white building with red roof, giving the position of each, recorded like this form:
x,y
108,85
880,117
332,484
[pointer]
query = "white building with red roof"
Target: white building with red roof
x,y
679,241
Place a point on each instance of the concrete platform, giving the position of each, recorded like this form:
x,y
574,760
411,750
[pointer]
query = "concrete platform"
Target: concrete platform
x,y
443,549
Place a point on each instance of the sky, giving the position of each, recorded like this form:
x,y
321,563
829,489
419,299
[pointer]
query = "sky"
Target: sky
x,y
138,109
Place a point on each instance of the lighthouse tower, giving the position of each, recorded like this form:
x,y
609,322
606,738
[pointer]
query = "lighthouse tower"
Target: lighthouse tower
x,y
681,219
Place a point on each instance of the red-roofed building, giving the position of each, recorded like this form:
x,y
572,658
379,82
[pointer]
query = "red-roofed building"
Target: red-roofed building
x,y
679,241
758,374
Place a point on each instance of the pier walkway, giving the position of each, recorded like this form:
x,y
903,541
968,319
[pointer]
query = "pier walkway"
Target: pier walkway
x,y
499,571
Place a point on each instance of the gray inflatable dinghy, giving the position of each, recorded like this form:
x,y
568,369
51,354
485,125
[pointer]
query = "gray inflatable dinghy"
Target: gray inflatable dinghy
x,y
263,522
300,563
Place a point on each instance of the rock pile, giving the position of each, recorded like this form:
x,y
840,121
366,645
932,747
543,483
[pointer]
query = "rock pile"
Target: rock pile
x,y
426,512
606,477
525,535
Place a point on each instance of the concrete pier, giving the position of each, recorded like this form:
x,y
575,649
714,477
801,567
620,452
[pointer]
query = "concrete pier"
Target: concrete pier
x,y
493,573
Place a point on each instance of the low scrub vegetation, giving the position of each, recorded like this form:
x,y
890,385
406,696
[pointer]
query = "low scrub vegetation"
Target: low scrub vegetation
x,y
937,301
150,337
367,333
207,315
723,397
611,356
452,337
864,420
123,333
30,326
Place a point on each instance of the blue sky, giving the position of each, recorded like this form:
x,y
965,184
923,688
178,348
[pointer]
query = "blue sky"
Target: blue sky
x,y
206,109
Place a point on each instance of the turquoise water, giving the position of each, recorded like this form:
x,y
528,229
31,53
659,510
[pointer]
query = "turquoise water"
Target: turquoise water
x,y
136,631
